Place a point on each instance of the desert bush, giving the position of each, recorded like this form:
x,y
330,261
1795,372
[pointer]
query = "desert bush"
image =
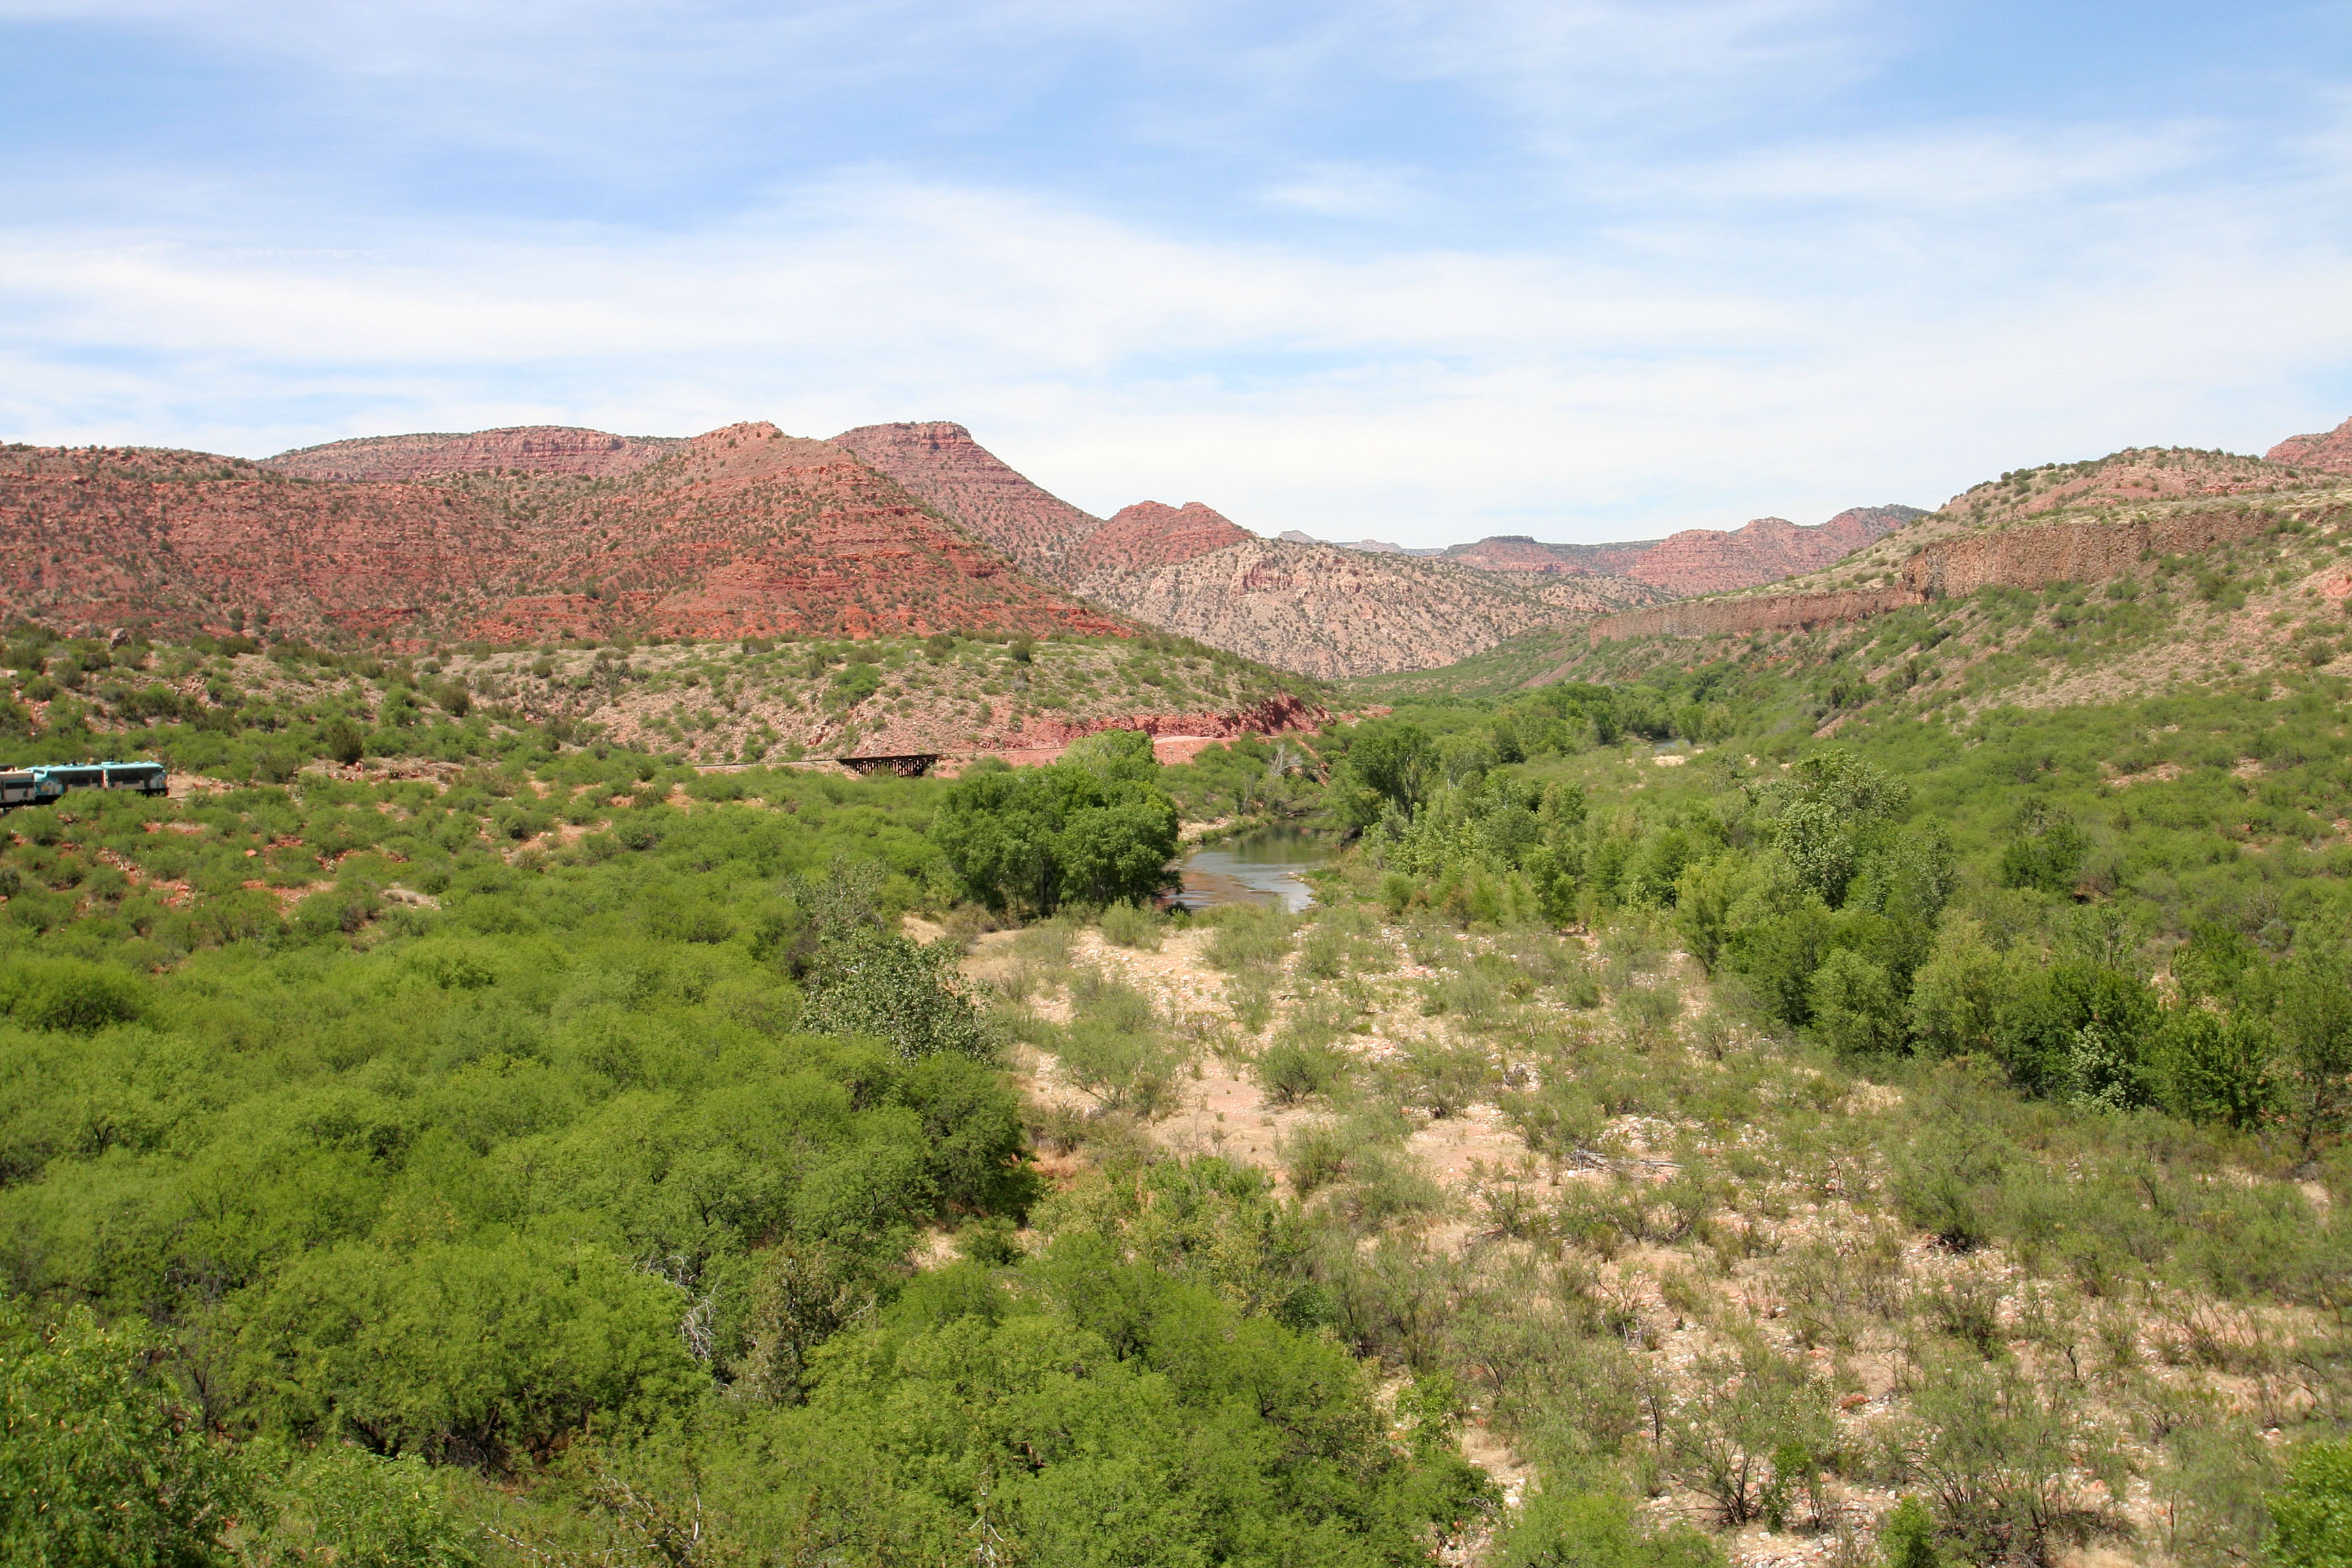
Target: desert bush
x,y
1441,1078
2007,1460
1292,1070
99,1459
1114,1051
1648,1013
1133,925
2312,1513
1743,1409
1316,1155
1247,939
1597,1530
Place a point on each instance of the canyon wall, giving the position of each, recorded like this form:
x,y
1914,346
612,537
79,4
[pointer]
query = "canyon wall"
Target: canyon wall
x,y
1953,569
2068,552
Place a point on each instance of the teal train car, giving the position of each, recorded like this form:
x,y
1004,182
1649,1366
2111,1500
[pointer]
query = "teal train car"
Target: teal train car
x,y
41,785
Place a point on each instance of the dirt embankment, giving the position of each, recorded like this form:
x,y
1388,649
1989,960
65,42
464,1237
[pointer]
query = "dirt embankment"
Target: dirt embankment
x,y
1954,568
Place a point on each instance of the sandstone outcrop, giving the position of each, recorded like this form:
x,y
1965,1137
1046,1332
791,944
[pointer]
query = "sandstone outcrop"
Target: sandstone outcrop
x,y
946,467
2330,450
2135,476
533,448
1149,534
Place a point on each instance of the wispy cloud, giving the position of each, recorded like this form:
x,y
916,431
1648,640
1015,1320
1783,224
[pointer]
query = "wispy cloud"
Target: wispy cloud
x,y
1584,270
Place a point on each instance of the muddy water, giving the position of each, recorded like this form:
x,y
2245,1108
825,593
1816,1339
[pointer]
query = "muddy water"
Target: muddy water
x,y
1261,868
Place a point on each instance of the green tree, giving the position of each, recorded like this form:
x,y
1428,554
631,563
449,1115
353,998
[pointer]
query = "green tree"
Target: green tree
x,y
100,1461
1389,763
2313,1015
1706,894
1854,1004
2312,1514
1032,839
2216,1068
1906,1537
2045,852
881,984
341,740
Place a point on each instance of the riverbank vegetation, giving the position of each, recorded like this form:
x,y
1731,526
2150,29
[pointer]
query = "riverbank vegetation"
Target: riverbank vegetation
x,y
1922,1142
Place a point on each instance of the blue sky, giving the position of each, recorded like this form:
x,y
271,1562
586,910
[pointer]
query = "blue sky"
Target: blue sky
x,y
1417,271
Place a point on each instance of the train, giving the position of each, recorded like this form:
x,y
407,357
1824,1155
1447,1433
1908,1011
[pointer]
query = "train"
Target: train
x,y
41,785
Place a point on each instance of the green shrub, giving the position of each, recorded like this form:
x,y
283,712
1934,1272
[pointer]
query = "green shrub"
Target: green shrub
x,y
1291,1070
910,995
1598,1530
69,994
2312,1513
1136,925
1248,938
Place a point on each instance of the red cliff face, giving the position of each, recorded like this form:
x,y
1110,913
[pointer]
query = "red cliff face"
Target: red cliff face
x,y
1150,533
534,449
743,531
942,465
2330,450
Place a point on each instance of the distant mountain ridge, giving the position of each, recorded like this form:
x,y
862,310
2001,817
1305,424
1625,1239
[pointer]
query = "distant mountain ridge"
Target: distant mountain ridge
x,y
1697,560
1147,535
742,531
533,448
1316,608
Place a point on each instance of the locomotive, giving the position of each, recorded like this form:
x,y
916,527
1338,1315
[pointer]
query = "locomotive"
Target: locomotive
x,y
41,785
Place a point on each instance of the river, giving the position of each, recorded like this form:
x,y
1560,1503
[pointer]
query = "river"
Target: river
x,y
1261,867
